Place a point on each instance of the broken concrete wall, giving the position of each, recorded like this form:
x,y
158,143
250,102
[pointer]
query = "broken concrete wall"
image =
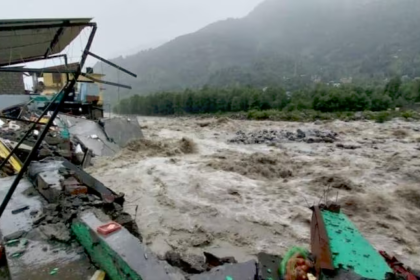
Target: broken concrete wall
x,y
46,177
7,100
122,130
49,178
91,135
120,254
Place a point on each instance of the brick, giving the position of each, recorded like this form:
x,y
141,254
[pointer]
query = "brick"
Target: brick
x,y
76,189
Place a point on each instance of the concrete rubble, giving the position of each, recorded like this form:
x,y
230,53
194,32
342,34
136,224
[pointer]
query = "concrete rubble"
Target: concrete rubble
x,y
56,213
29,253
273,137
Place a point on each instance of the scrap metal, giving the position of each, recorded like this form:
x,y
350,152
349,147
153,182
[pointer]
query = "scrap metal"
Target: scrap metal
x,y
320,246
397,266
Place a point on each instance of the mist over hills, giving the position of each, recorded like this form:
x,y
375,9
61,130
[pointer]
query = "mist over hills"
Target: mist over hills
x,y
286,43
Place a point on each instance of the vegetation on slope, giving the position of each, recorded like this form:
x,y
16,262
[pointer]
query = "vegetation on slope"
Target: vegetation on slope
x,y
321,98
287,43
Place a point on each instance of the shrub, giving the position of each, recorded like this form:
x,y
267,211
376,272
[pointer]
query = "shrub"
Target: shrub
x,y
258,115
382,117
407,114
380,102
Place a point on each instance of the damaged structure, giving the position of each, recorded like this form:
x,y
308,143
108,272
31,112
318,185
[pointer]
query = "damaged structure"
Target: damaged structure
x,y
59,221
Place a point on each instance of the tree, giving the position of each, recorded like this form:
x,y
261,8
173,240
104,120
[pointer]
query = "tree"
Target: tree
x,y
392,88
236,104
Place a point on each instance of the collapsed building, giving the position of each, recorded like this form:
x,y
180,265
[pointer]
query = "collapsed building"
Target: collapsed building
x,y
58,221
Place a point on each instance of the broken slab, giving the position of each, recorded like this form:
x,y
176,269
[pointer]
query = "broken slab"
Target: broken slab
x,y
46,176
32,257
243,271
122,130
119,254
190,263
90,134
94,185
57,231
268,266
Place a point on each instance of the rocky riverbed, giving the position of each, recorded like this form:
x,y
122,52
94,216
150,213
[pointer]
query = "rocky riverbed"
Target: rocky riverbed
x,y
235,188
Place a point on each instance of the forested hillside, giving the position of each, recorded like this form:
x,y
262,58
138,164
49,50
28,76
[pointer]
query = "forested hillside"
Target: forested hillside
x,y
287,43
321,98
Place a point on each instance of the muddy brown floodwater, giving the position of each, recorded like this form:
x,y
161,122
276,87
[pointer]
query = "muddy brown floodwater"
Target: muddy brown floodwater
x,y
194,191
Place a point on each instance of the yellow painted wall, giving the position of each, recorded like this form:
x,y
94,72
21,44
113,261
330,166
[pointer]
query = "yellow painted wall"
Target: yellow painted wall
x,y
52,88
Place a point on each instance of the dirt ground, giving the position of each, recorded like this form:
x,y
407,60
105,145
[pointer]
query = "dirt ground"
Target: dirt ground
x,y
193,191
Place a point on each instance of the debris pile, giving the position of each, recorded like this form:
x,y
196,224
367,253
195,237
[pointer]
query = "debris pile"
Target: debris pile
x,y
75,139
272,137
70,191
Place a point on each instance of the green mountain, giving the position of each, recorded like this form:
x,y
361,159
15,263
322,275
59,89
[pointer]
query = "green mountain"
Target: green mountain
x,y
287,43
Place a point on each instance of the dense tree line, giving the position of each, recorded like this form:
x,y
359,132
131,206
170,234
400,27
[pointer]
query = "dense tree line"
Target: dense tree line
x,y
323,98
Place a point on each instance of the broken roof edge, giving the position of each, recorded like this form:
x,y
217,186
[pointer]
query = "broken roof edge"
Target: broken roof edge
x,y
12,24
61,32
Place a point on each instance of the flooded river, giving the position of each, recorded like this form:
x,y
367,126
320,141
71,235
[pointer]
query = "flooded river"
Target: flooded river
x,y
191,190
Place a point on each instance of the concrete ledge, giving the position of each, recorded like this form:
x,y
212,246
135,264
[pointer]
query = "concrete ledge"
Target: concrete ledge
x,y
119,254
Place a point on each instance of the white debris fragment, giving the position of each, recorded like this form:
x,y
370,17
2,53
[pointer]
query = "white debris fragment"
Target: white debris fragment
x,y
79,149
14,126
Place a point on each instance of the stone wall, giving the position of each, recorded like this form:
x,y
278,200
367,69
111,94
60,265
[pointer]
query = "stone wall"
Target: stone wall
x,y
11,83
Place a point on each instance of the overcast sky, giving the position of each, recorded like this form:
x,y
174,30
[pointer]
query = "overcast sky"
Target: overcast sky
x,y
127,25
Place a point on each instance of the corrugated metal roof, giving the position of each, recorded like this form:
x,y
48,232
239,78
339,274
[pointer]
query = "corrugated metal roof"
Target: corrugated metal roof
x,y
25,39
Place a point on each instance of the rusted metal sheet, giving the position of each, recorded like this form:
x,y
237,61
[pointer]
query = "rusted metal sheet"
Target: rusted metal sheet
x,y
397,266
320,245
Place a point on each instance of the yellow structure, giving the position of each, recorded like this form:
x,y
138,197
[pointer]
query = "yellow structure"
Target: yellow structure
x,y
14,161
53,82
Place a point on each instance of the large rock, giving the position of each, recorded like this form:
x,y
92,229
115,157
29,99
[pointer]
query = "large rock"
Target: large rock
x,y
189,263
273,137
242,271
